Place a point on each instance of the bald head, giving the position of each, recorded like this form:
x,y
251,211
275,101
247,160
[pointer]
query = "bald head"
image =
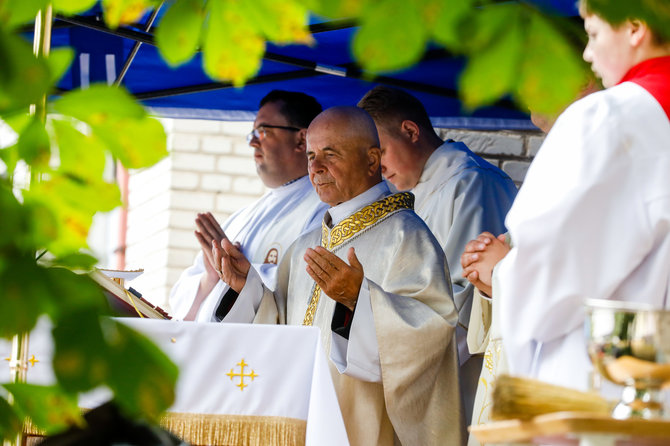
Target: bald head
x,y
344,159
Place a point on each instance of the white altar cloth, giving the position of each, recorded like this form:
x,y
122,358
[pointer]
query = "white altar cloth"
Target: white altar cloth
x,y
291,378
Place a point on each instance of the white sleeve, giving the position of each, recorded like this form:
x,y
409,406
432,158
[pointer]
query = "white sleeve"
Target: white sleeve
x,y
184,291
358,356
246,305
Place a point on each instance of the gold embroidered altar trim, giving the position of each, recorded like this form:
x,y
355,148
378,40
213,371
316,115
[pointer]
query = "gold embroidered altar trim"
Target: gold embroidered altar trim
x,y
238,430
351,226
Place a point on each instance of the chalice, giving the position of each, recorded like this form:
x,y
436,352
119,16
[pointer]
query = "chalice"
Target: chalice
x,y
629,345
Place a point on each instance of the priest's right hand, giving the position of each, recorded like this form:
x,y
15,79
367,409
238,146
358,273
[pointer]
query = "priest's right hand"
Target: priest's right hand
x,y
231,264
208,231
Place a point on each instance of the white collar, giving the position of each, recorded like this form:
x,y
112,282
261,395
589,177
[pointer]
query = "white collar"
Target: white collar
x,y
291,186
338,213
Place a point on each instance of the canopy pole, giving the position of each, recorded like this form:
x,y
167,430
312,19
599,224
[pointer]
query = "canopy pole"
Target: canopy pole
x,y
18,369
136,47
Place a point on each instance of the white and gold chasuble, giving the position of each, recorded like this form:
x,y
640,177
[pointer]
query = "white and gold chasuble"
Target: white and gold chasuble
x,y
417,401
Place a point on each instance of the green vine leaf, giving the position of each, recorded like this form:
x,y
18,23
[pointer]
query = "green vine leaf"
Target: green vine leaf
x,y
122,12
20,68
10,422
546,52
147,388
381,45
34,144
280,22
445,19
136,139
179,31
24,295
59,62
83,363
492,70
72,201
15,13
71,7
48,407
79,154
232,45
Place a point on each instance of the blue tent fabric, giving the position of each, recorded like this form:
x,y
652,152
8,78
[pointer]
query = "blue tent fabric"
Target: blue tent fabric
x,y
100,56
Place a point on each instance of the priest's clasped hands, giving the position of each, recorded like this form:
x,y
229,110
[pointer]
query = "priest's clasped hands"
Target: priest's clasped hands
x,y
341,282
209,231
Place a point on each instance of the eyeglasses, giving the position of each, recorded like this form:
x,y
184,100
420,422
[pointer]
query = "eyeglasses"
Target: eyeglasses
x,y
259,132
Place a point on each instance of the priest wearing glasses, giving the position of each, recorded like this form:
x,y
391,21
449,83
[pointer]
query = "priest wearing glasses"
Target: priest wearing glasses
x,y
266,228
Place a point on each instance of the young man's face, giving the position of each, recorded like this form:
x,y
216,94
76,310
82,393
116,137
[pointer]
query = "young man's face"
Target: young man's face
x,y
399,165
608,49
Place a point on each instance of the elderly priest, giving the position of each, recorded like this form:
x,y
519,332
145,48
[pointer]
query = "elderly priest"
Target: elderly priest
x,y
376,282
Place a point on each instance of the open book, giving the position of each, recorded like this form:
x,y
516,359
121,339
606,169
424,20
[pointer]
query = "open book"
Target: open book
x,y
126,302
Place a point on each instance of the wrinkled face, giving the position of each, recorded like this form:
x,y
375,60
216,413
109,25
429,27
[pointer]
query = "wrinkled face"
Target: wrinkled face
x,y
277,148
399,165
608,49
337,165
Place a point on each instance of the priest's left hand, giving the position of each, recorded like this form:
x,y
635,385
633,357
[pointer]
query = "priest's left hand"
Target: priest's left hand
x,y
341,282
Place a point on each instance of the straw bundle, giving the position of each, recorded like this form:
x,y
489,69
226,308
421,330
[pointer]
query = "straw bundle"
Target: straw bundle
x,y
525,398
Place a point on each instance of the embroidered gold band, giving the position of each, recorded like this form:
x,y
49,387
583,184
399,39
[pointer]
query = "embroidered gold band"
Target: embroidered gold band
x,y
240,430
351,226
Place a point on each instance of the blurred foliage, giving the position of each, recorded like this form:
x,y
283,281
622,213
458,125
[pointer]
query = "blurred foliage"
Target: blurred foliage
x,y
52,210
512,49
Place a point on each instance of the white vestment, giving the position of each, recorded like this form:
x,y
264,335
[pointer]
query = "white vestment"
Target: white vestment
x,y
265,229
459,196
396,374
592,220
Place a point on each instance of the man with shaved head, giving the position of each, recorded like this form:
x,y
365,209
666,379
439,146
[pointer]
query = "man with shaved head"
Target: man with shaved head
x,y
376,282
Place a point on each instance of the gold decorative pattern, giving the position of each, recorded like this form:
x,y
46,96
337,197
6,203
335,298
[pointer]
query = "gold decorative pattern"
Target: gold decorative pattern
x,y
242,375
351,226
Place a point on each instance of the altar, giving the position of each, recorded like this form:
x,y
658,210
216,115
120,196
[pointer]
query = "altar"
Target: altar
x,y
238,384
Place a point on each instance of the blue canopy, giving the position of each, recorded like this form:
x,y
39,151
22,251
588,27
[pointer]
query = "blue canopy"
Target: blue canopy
x,y
325,71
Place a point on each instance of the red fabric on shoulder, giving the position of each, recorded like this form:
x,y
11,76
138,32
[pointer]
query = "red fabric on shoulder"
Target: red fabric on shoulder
x,y
654,76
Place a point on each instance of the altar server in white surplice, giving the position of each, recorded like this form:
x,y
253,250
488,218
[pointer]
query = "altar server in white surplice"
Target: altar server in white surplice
x,y
266,228
375,280
458,194
592,219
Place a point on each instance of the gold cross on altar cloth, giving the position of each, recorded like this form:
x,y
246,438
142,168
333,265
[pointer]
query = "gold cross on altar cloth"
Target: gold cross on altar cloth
x,y
32,360
242,375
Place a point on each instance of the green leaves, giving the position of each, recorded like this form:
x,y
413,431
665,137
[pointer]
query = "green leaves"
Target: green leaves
x,y
49,407
515,50
380,45
233,33
10,422
232,46
19,69
117,121
121,12
492,69
14,13
141,376
546,52
179,31
71,7
24,295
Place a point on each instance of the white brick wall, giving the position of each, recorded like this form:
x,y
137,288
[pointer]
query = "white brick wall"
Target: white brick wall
x,y
211,168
